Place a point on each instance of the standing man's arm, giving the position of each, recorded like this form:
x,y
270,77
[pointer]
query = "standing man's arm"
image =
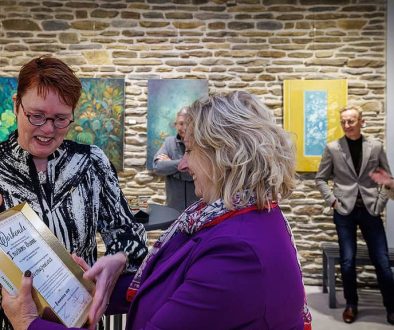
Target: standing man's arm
x,y
162,163
323,175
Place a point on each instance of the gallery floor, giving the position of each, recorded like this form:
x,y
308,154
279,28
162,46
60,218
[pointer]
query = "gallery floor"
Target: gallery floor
x,y
371,316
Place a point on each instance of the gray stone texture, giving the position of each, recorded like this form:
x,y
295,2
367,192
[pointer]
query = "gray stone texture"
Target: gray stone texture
x,y
250,44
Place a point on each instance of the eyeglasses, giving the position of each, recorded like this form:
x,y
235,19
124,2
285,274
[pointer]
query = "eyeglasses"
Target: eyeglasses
x,y
38,119
350,122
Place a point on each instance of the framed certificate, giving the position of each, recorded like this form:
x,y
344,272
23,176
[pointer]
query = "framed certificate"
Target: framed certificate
x,y
26,243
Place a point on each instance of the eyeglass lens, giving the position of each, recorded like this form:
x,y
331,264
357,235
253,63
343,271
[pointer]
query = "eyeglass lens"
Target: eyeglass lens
x,y
350,122
40,119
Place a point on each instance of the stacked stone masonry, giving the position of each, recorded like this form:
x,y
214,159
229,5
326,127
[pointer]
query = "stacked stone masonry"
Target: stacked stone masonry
x,y
239,44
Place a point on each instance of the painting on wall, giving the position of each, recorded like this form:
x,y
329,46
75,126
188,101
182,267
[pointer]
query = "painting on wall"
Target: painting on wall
x,y
98,118
311,115
7,118
165,98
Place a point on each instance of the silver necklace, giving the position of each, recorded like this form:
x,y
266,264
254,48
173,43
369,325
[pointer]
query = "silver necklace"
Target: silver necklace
x,y
42,177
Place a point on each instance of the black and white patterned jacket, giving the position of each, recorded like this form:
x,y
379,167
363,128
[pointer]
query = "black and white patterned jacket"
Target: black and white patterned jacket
x,y
81,196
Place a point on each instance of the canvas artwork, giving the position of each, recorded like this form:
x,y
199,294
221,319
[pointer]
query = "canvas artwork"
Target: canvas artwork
x,y
311,115
98,118
7,117
165,98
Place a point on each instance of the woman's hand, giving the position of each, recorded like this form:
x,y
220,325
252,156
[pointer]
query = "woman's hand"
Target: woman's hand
x,y
21,309
2,206
380,176
82,263
105,272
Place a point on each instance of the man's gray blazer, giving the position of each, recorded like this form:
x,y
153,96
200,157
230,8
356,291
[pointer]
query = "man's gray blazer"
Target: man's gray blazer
x,y
180,190
337,164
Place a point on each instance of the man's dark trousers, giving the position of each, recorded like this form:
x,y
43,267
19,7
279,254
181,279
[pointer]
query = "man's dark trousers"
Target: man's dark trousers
x,y
374,235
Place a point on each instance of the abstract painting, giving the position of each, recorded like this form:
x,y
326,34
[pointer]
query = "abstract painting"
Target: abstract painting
x,y
98,118
311,115
165,98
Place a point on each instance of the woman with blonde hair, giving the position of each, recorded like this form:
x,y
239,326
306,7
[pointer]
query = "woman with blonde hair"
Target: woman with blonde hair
x,y
229,261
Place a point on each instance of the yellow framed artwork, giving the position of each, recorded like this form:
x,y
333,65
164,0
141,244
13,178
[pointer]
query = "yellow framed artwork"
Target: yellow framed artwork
x,y
311,115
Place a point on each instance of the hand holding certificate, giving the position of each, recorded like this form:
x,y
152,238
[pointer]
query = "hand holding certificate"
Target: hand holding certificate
x,y
27,244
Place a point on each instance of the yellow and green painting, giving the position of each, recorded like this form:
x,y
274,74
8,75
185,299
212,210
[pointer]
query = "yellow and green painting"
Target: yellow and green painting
x,y
7,117
98,118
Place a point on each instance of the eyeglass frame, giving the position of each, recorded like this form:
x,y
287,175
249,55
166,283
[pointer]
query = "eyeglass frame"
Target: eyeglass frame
x,y
28,115
350,122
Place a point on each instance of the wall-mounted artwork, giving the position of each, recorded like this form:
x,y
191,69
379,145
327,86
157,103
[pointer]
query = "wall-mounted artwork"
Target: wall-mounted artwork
x,y
7,117
311,114
165,98
98,118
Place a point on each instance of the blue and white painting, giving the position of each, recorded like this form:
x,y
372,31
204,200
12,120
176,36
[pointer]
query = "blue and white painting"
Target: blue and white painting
x,y
165,98
315,122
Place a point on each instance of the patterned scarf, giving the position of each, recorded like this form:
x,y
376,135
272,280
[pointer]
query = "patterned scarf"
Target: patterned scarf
x,y
193,219
200,215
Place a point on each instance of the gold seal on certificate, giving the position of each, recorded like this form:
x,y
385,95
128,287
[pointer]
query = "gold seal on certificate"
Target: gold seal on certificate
x,y
26,243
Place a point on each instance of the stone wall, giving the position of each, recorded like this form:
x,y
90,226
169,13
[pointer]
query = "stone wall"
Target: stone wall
x,y
238,44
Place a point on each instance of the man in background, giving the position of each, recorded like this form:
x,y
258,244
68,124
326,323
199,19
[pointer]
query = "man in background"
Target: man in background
x,y
179,185
357,201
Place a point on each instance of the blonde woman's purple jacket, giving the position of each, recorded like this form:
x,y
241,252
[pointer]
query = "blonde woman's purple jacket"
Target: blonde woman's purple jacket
x,y
240,274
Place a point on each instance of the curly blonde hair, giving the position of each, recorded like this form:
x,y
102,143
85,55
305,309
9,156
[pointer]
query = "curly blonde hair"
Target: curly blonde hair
x,y
248,152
